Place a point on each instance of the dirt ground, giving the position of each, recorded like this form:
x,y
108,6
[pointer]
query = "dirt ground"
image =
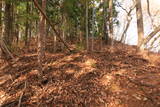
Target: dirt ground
x,y
118,76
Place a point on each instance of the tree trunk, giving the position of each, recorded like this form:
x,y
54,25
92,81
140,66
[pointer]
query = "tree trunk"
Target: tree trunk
x,y
105,28
63,29
41,37
8,23
93,28
1,26
111,20
139,22
87,44
27,25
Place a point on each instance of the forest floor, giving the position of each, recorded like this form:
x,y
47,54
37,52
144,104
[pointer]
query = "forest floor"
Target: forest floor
x,y
117,77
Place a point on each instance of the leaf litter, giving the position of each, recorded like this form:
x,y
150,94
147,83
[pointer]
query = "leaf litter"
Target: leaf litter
x,y
121,77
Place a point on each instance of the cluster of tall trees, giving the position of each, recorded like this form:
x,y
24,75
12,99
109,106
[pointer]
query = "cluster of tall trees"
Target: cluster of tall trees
x,y
65,20
76,19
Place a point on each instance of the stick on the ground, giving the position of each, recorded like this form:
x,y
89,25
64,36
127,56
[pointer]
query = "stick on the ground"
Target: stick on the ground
x,y
20,98
5,48
50,23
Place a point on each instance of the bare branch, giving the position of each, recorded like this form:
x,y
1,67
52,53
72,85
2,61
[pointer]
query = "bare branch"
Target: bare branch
x,y
150,36
129,18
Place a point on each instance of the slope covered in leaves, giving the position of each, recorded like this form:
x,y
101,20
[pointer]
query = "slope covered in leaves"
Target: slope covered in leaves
x,y
117,77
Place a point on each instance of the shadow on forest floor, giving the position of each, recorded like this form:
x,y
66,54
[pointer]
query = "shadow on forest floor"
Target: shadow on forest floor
x,y
117,77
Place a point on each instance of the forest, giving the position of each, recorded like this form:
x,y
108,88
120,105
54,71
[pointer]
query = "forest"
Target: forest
x,y
79,53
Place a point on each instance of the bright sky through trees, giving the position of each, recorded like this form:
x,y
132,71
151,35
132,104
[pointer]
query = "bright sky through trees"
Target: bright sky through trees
x,y
132,31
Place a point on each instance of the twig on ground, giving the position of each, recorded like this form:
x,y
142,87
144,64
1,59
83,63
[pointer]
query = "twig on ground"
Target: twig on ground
x,y
20,98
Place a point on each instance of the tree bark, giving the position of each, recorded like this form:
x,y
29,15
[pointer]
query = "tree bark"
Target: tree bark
x,y
1,19
139,22
27,25
111,20
93,28
8,23
41,37
1,25
105,28
87,44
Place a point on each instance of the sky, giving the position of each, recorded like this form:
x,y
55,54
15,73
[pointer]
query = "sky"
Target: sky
x,y
132,31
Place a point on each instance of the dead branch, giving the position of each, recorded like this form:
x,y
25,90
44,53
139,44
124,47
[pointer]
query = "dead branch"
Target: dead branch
x,y
5,49
148,8
150,36
129,19
50,23
20,98
154,40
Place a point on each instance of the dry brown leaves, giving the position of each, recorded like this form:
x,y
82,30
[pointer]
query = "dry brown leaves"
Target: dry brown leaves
x,y
117,78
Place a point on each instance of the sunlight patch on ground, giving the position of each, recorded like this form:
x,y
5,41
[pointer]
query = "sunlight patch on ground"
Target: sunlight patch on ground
x,y
90,62
3,97
87,66
70,71
107,79
67,59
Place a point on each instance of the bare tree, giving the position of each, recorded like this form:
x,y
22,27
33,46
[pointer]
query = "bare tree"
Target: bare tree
x,y
129,19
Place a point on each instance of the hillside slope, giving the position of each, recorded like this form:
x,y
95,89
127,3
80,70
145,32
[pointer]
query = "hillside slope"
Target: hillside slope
x,y
117,77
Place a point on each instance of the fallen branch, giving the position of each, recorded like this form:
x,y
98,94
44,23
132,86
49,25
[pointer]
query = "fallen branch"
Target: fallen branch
x,y
50,23
20,98
5,49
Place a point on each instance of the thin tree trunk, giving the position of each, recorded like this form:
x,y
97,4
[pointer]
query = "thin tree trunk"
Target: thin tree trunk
x,y
93,28
123,37
8,23
63,29
105,29
111,20
1,26
87,44
55,43
41,37
139,22
27,25
30,26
